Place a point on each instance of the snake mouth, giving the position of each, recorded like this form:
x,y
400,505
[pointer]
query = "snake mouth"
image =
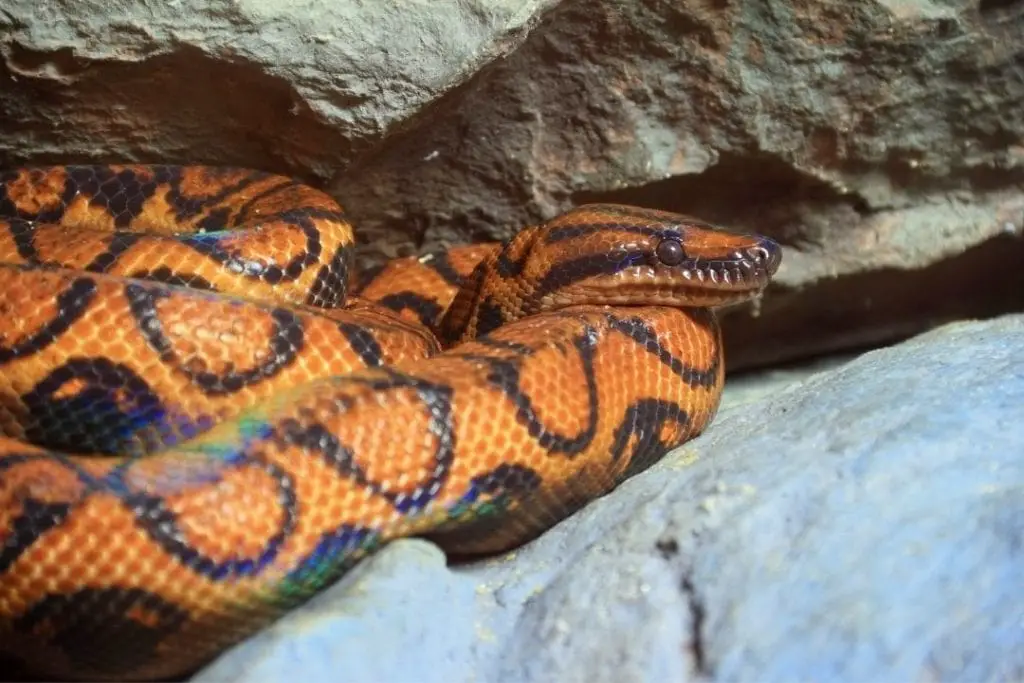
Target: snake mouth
x,y
745,270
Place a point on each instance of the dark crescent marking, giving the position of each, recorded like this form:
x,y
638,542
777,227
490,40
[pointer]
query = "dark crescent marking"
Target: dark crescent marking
x,y
331,282
285,343
94,618
72,303
363,343
652,413
116,404
644,335
424,309
489,317
505,376
160,524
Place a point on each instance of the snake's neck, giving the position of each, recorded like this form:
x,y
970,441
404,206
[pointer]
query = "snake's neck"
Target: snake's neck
x,y
494,294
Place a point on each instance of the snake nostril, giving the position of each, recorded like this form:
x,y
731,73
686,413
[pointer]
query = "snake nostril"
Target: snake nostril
x,y
771,255
766,255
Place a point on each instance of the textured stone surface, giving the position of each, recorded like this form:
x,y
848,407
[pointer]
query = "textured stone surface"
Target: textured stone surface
x,y
880,140
866,523
295,87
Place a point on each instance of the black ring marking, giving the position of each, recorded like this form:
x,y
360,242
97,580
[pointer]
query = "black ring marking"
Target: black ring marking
x,y
87,625
489,494
645,335
151,514
9,208
489,317
506,478
591,265
644,420
284,344
505,376
364,344
437,401
336,552
507,268
22,234
218,220
209,245
521,246
161,525
36,518
166,276
188,206
72,304
574,230
117,244
331,283
440,263
426,310
122,193
114,406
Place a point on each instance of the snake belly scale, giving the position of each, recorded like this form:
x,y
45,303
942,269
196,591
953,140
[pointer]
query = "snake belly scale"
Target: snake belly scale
x,y
207,417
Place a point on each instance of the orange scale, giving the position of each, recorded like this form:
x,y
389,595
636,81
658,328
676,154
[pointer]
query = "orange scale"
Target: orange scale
x,y
274,242
37,190
8,247
235,517
25,310
92,346
201,181
45,481
476,451
130,560
559,397
349,504
68,246
157,216
403,456
222,337
80,212
314,365
35,572
152,253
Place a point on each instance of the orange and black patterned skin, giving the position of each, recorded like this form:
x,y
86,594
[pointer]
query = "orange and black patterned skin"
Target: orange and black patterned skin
x,y
202,426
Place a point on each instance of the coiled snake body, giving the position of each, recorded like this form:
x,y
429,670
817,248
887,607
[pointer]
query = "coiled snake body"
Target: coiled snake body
x,y
203,423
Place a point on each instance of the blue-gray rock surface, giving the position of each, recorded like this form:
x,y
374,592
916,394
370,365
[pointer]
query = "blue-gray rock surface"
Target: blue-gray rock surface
x,y
866,523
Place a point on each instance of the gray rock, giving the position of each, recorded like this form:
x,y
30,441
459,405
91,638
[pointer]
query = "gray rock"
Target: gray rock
x,y
302,87
866,523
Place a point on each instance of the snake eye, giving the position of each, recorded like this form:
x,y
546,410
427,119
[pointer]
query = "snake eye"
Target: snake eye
x,y
670,252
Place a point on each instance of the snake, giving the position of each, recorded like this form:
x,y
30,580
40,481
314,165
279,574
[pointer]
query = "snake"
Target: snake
x,y
208,414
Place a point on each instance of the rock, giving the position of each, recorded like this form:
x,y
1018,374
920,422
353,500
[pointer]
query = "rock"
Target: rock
x,y
319,644
879,140
866,523
302,88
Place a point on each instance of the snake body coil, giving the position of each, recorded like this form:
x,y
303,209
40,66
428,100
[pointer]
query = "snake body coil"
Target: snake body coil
x,y
205,418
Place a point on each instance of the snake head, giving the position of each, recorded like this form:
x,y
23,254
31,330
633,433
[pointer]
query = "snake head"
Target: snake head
x,y
624,255
610,254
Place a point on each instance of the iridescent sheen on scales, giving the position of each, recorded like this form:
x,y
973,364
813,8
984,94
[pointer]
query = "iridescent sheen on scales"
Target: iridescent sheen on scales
x,y
207,416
